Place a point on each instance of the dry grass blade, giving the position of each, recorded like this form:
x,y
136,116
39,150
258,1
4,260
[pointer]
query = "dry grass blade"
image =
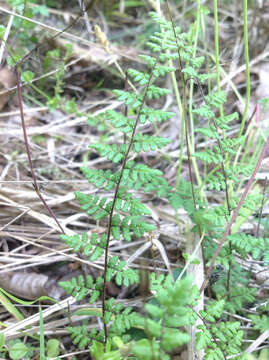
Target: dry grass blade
x,y
63,253
36,215
14,330
263,337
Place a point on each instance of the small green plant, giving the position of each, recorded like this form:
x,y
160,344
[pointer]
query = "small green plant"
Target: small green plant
x,y
27,46
23,28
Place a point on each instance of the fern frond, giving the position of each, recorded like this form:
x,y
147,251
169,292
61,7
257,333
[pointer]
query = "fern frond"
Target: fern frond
x,y
227,145
190,71
219,340
129,98
210,156
243,244
197,62
113,152
140,77
97,206
155,92
162,70
146,143
119,121
122,321
123,275
204,111
261,322
152,115
150,60
210,131
216,181
204,77
82,337
222,122
165,317
215,99
244,169
80,287
82,243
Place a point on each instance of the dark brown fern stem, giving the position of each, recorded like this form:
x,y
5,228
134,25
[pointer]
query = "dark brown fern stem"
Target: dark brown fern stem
x,y
27,147
114,202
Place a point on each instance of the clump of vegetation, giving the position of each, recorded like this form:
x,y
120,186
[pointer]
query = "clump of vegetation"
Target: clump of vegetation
x,y
112,329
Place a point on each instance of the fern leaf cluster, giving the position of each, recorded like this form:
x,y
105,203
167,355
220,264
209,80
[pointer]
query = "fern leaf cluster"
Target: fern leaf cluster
x,y
170,312
220,339
124,213
125,217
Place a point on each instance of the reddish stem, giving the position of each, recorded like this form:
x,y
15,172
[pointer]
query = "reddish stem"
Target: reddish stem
x,y
234,216
29,153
